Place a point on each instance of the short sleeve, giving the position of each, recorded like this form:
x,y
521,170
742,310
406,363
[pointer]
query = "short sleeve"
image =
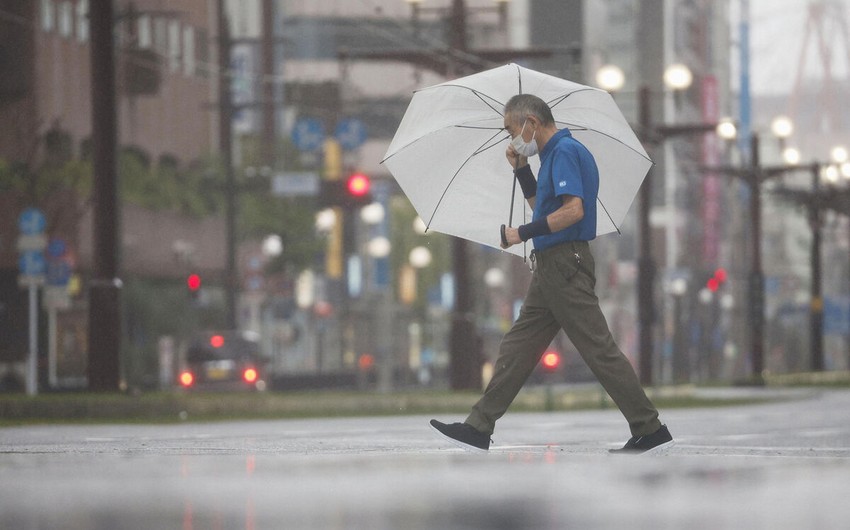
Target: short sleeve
x,y
566,172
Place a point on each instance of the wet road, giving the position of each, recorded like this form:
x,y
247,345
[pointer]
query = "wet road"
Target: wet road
x,y
778,465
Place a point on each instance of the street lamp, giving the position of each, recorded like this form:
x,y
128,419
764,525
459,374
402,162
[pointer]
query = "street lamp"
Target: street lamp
x,y
791,156
782,127
726,129
272,246
677,77
325,220
838,154
379,247
419,226
420,257
373,214
610,78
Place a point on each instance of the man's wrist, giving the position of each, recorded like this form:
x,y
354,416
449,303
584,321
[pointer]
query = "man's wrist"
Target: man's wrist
x,y
526,181
536,228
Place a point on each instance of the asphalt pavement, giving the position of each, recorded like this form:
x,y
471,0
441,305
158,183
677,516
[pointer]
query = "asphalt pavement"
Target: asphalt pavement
x,y
781,464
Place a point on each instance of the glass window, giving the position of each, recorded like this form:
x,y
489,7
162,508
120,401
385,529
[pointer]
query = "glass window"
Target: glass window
x,y
174,45
203,53
82,20
144,32
66,19
48,15
189,50
160,35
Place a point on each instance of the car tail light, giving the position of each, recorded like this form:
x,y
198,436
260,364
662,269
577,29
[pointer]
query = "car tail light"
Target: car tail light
x,y
186,379
250,375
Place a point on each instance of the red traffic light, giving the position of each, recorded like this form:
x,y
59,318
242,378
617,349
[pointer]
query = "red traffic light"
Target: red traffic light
x,y
358,185
366,362
193,282
714,283
216,341
551,360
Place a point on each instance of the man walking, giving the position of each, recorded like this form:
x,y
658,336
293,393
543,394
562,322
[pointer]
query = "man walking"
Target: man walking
x,y
561,294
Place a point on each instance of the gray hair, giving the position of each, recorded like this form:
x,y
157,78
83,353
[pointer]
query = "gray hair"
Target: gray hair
x,y
523,105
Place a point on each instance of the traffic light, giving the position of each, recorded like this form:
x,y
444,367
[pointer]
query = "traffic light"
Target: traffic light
x,y
353,192
717,280
358,186
193,284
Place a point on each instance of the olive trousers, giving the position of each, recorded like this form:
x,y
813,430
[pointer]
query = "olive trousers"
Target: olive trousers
x,y
561,296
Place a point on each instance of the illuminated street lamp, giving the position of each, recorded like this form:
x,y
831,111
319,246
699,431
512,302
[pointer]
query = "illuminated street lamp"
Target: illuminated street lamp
x,y
420,257
678,77
838,154
325,220
791,156
272,246
726,129
610,78
419,226
373,213
782,127
379,247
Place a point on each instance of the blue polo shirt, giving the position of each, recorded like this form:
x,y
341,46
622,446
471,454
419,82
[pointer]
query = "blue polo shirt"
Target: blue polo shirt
x,y
566,168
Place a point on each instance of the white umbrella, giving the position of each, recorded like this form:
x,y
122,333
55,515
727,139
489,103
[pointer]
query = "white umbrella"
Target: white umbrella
x,y
448,154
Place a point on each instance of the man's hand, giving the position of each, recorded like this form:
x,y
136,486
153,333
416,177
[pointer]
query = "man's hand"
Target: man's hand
x,y
512,235
515,159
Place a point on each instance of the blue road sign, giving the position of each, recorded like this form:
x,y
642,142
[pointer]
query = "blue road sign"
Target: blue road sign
x,y
836,316
56,248
32,222
308,134
32,263
351,133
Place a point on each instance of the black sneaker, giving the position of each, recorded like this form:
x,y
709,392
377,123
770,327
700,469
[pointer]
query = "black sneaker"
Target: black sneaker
x,y
649,443
463,435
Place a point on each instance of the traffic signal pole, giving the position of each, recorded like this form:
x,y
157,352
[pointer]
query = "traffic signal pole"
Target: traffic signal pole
x,y
646,265
756,274
816,306
226,148
104,326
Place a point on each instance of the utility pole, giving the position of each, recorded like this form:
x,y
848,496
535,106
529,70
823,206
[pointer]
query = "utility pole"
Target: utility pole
x,y
646,265
464,354
756,274
268,84
816,307
105,287
815,201
226,148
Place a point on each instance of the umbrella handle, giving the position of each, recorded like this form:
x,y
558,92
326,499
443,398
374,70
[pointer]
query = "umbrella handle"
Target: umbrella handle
x,y
504,237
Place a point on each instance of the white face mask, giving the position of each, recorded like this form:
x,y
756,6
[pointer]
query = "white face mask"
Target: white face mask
x,y
521,146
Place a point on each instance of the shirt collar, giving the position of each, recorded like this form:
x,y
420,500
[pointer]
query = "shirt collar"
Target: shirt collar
x,y
550,145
